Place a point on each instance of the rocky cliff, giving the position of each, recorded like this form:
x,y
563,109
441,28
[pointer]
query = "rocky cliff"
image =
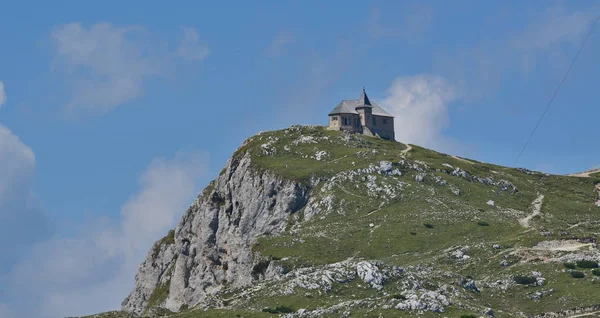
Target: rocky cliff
x,y
306,222
212,244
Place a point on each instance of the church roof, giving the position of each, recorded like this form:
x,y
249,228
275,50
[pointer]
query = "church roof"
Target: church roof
x,y
349,106
364,99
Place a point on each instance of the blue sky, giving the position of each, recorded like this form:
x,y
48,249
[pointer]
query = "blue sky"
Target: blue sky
x,y
113,116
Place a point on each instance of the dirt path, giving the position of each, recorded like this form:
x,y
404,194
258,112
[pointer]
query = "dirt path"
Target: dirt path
x,y
585,174
348,192
560,245
462,159
598,191
405,151
379,208
338,159
582,223
537,208
593,314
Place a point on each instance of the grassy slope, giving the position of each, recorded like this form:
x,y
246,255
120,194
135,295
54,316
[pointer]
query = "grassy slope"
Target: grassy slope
x,y
398,235
568,201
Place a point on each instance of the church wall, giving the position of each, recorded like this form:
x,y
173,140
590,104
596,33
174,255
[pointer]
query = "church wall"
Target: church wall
x,y
383,126
348,122
334,122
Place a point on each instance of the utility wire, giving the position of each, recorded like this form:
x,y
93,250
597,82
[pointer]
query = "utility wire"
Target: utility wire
x,y
556,91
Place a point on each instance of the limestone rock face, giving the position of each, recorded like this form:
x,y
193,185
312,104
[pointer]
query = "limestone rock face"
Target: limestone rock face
x,y
212,242
370,274
152,273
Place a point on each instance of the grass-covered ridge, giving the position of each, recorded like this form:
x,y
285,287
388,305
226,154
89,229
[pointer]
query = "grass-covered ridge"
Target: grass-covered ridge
x,y
391,227
302,152
482,235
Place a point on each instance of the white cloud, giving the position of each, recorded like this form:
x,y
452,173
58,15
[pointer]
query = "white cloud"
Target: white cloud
x,y
191,48
554,28
18,163
420,105
69,275
5,312
278,44
22,222
105,65
2,94
498,57
557,26
19,213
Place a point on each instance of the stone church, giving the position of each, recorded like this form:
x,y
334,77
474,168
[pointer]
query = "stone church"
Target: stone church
x,y
362,116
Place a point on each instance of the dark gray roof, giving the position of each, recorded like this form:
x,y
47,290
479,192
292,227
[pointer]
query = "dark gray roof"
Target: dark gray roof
x,y
349,106
364,99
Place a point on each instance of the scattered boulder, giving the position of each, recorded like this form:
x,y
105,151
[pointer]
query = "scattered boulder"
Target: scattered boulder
x,y
459,254
369,273
385,167
539,294
428,300
470,285
455,190
458,172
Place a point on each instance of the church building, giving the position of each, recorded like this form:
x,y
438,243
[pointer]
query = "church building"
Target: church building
x,y
362,116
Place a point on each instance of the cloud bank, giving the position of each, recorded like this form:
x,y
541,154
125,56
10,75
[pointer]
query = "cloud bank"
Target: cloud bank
x,y
2,94
191,48
106,66
555,28
66,276
548,39
279,43
22,222
420,105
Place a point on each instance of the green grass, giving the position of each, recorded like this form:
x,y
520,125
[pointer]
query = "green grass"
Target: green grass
x,y
159,295
421,225
400,235
166,240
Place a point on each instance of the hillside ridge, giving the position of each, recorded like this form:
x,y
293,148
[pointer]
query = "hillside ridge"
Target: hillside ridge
x,y
307,222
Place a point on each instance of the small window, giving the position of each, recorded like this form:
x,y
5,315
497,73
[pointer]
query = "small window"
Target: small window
x,y
334,118
385,121
374,122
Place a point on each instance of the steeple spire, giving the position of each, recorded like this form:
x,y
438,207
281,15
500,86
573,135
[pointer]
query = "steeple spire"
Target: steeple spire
x,y
364,100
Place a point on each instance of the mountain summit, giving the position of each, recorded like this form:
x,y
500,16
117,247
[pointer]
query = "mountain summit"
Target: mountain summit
x,y
310,222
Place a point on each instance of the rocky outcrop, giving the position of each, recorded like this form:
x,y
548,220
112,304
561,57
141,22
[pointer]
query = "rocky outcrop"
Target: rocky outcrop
x,y
212,244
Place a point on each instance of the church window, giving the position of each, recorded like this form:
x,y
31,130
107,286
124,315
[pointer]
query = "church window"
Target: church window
x,y
384,121
334,118
374,122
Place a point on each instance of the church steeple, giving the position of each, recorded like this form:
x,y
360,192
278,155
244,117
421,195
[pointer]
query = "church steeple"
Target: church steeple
x,y
364,99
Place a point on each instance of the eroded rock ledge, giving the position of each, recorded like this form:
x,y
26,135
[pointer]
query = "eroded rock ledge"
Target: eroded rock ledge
x,y
211,245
